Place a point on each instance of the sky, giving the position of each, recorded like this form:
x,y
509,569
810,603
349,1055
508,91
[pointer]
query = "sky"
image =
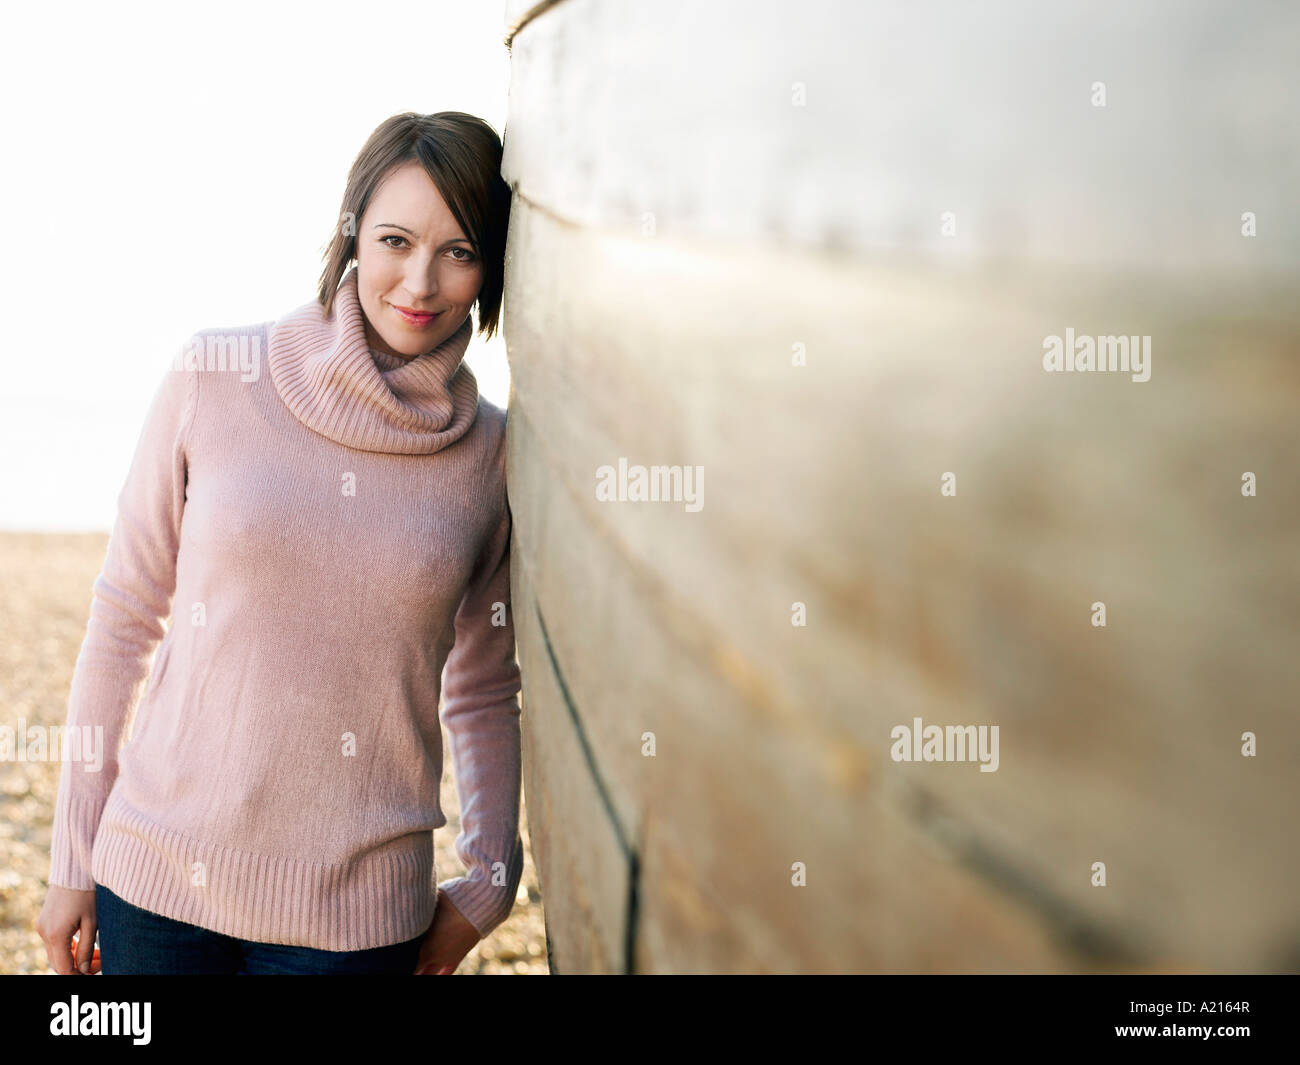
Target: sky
x,y
170,168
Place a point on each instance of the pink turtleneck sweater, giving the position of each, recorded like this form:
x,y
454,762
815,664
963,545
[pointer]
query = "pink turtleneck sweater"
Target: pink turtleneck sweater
x,y
326,530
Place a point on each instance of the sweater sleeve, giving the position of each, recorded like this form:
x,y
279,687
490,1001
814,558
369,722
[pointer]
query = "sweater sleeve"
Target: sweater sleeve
x,y
481,715
131,597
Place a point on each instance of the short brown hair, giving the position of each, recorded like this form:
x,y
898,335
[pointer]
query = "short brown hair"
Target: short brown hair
x,y
462,156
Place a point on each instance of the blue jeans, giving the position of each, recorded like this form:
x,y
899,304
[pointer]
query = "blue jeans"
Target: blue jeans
x,y
134,942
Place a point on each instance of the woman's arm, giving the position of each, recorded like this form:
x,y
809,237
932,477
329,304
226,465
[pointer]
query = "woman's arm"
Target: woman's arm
x,y
132,596
481,714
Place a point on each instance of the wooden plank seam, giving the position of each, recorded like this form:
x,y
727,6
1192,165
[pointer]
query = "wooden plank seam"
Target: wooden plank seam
x,y
630,854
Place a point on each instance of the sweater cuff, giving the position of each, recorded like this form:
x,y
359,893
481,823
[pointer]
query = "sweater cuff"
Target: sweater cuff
x,y
76,820
481,902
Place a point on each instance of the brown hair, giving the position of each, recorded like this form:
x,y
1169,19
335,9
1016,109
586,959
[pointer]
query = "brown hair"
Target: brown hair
x,y
462,156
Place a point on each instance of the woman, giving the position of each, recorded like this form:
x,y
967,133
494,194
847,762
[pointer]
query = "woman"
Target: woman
x,y
326,537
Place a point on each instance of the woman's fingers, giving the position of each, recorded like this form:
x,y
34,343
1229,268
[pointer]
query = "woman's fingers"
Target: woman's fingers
x,y
65,914
85,953
58,951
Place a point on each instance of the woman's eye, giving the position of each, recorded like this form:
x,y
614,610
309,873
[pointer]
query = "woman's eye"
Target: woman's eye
x,y
466,256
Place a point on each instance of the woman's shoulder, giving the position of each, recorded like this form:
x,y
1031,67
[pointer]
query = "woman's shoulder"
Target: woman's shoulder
x,y
227,348
492,415
232,352
489,427
489,433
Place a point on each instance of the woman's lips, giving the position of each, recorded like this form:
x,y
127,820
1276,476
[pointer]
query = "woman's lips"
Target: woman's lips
x,y
418,320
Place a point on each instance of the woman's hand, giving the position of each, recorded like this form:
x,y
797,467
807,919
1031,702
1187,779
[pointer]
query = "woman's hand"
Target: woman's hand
x,y
448,940
69,913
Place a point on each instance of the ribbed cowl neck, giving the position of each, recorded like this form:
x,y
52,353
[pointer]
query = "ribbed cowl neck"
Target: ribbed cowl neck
x,y
339,386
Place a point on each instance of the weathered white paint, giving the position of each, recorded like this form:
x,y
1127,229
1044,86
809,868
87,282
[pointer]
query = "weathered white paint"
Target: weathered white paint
x,y
822,485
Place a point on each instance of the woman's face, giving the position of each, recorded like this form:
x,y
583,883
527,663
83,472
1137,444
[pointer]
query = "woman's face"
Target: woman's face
x,y
412,256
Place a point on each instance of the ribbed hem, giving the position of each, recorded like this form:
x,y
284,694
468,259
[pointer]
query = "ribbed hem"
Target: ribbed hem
x,y
385,898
